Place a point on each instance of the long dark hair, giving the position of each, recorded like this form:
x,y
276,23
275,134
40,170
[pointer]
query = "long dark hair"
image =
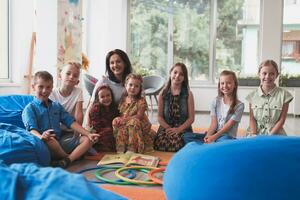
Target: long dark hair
x,y
125,59
234,93
185,82
112,107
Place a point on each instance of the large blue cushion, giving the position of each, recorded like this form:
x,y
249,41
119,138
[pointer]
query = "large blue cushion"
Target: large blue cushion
x,y
258,168
28,181
19,146
11,108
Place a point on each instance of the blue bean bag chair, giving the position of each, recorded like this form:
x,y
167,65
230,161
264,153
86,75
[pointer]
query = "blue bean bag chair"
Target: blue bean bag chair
x,y
19,146
258,168
28,181
11,107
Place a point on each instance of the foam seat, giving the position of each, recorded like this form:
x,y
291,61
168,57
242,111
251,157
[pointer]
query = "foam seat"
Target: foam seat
x,y
265,167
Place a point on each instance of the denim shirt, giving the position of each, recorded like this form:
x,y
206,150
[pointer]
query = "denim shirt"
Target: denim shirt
x,y
36,115
183,106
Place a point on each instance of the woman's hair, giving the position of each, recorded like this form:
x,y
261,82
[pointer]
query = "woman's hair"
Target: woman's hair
x,y
127,65
185,82
234,93
269,63
112,106
137,77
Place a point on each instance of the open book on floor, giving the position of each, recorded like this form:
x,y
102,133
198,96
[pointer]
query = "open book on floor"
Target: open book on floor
x,y
129,159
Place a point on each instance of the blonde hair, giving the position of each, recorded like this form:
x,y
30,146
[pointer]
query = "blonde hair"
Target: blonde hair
x,y
136,77
269,63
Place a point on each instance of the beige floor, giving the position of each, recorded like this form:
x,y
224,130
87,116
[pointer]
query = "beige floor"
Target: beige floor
x,y
202,119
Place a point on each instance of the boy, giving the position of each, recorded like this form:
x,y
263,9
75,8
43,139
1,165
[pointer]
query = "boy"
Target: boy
x,y
42,117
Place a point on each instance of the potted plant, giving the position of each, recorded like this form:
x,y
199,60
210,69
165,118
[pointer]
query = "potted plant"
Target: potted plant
x,y
248,81
287,80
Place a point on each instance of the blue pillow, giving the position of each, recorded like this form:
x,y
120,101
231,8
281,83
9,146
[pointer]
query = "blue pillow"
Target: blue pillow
x,y
266,167
28,181
11,108
19,146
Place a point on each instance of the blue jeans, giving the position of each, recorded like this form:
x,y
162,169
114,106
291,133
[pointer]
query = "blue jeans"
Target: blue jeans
x,y
199,137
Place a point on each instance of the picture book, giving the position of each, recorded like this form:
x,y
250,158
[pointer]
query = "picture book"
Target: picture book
x,y
129,159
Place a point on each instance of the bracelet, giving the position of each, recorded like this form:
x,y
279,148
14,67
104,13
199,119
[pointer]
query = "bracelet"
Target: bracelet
x,y
133,181
100,172
154,178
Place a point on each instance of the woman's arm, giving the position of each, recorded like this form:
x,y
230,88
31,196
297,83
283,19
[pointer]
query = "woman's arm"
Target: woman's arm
x,y
252,123
279,124
79,112
160,115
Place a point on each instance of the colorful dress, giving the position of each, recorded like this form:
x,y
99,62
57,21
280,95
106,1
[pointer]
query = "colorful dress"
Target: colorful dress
x,y
167,142
135,134
101,122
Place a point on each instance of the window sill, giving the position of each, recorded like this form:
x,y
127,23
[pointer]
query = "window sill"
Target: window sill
x,y
7,84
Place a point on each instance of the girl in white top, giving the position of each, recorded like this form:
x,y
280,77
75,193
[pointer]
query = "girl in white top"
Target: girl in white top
x,y
68,94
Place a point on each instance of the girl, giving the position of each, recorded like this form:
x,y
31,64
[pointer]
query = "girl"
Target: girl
x,y
175,110
132,129
268,103
226,112
102,112
118,66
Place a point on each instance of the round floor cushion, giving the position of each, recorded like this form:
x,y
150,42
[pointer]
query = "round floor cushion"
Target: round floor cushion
x,y
265,167
19,146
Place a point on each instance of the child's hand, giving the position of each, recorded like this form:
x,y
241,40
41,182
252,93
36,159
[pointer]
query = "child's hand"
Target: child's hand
x,y
93,137
118,121
47,135
209,139
173,131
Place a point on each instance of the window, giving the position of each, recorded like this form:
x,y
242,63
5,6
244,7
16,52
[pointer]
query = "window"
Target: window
x,y
207,35
290,62
4,68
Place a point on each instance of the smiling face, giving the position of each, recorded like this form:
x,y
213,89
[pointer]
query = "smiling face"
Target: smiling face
x,y
133,87
267,76
177,75
105,97
42,89
116,65
226,85
70,75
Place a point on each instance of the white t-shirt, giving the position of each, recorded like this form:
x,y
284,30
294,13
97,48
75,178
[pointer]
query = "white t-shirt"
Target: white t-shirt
x,y
68,102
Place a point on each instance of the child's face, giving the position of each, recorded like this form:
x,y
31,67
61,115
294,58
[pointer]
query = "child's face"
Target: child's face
x,y
267,76
117,65
105,97
70,75
133,87
227,85
177,76
42,89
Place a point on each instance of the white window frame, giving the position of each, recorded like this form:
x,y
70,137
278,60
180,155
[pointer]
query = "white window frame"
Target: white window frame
x,y
5,41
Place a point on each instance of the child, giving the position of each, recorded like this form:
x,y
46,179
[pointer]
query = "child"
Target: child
x,y
68,95
268,103
176,111
102,112
226,112
42,117
132,129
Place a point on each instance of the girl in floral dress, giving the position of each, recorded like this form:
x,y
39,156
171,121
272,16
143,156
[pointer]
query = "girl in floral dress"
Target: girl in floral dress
x,y
132,130
102,112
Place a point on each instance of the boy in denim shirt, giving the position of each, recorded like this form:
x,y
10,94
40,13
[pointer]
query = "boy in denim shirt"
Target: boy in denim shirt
x,y
42,117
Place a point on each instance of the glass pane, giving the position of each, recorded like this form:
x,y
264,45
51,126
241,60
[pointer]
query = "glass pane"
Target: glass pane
x,y
290,65
3,39
237,36
149,36
191,36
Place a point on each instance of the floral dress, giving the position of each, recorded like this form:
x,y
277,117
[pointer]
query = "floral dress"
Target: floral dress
x,y
101,122
134,135
167,142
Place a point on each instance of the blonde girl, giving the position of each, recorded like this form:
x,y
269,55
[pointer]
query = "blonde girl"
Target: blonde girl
x,y
132,130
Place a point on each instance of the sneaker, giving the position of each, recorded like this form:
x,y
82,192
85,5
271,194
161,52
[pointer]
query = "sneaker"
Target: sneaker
x,y
63,163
